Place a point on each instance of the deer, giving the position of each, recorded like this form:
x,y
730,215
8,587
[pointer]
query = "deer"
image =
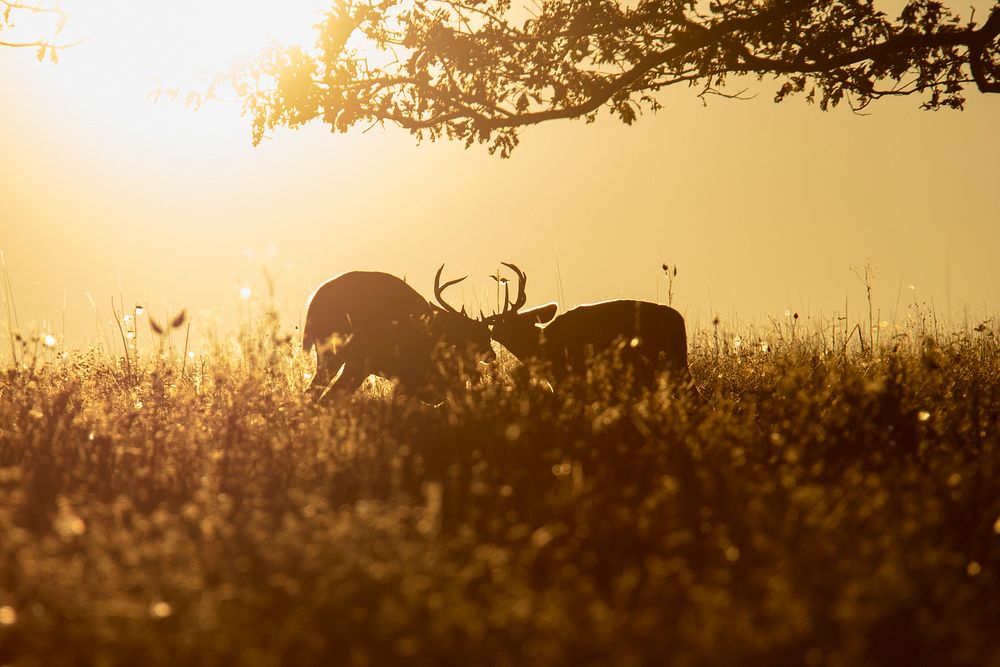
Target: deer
x,y
649,337
369,322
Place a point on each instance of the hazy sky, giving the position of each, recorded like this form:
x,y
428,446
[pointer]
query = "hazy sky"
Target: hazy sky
x,y
762,207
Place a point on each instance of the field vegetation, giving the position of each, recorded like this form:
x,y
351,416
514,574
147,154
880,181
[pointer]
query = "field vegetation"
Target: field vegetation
x,y
837,502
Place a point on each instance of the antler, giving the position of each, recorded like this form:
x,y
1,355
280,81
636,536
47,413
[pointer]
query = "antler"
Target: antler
x,y
519,300
521,297
439,288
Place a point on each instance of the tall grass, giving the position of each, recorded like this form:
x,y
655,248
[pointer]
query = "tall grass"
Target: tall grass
x,y
830,506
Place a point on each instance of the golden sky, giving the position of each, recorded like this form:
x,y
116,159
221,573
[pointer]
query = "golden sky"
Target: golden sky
x,y
764,208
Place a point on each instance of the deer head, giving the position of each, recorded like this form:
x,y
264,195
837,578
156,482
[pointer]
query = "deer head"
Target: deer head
x,y
455,326
519,331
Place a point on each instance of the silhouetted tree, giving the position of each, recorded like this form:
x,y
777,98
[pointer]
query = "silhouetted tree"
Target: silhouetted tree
x,y
479,70
45,45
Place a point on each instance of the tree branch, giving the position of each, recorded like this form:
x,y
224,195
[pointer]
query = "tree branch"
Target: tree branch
x,y
977,52
469,73
32,8
651,62
43,45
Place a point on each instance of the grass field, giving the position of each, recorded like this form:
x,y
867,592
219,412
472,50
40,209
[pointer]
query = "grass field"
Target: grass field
x,y
832,506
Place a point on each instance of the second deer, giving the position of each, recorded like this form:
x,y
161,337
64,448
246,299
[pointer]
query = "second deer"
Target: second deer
x,y
649,338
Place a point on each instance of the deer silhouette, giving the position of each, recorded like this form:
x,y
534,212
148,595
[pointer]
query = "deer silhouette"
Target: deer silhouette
x,y
370,322
649,338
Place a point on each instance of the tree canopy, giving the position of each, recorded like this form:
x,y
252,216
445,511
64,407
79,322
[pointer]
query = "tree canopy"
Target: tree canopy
x,y
480,70
43,41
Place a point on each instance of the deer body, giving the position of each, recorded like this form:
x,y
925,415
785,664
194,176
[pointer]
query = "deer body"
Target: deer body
x,y
651,338
374,323
648,338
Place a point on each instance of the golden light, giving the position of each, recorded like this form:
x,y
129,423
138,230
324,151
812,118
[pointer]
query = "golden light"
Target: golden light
x,y
190,39
127,50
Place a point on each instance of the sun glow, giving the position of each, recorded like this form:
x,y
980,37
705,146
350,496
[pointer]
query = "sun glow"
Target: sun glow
x,y
126,51
192,39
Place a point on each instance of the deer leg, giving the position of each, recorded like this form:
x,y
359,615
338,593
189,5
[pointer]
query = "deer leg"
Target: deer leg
x,y
326,380
327,365
351,379
690,390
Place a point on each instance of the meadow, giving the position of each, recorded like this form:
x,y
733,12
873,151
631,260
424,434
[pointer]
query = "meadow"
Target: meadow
x,y
836,503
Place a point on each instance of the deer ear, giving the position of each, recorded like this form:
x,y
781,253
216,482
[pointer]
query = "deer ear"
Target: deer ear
x,y
543,314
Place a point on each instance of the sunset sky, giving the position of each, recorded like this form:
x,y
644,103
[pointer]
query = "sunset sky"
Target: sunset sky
x,y
764,208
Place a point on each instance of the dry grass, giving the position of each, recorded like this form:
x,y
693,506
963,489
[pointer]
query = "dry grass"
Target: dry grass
x,y
832,507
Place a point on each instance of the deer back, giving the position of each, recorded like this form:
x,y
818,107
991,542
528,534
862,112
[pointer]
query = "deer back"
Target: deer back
x,y
362,304
652,336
